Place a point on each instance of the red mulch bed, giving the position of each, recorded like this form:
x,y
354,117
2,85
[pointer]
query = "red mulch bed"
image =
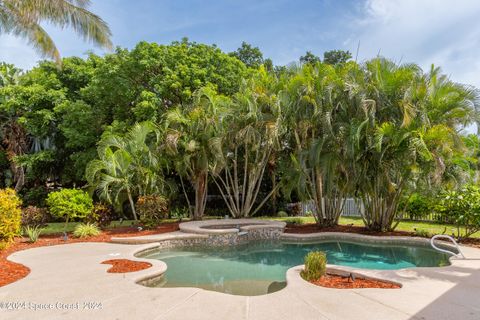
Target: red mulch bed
x,y
339,282
125,265
11,271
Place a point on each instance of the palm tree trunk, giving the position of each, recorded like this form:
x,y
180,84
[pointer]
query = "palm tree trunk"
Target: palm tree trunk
x,y
132,205
200,195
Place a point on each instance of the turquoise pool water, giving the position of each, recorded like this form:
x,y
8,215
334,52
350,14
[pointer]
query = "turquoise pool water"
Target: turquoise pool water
x,y
260,267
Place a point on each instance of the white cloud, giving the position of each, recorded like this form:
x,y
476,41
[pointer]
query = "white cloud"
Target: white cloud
x,y
442,32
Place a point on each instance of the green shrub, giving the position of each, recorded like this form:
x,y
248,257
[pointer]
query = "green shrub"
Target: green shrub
x,y
315,266
33,233
101,215
463,207
35,196
84,230
10,216
152,209
422,233
179,213
418,206
33,216
69,204
297,221
282,214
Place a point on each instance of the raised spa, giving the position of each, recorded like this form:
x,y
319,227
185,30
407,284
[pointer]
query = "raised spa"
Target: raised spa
x,y
258,268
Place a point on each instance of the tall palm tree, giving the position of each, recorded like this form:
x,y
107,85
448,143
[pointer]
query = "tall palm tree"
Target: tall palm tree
x,y
24,17
250,136
316,111
409,126
191,141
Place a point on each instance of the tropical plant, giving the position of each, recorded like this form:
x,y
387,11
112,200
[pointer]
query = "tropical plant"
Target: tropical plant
x,y
316,109
84,230
33,233
128,164
399,138
192,143
10,216
250,135
101,215
463,207
315,266
24,17
33,216
69,204
152,209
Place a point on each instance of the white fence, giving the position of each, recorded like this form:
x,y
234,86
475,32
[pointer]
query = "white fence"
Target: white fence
x,y
350,208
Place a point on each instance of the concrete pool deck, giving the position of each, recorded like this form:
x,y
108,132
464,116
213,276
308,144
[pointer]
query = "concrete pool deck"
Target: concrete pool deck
x,y
70,281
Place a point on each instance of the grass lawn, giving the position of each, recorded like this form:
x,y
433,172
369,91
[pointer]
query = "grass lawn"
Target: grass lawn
x,y
410,226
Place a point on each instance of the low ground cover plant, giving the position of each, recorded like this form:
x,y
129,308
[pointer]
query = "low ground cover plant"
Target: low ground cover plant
x,y
86,230
33,233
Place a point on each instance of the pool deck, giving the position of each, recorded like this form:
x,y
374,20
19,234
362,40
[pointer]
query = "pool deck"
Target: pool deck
x,y
71,282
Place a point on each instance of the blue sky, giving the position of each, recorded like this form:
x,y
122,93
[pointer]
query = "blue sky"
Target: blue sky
x,y
443,32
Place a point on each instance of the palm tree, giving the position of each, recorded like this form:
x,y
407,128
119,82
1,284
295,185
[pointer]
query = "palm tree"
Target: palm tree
x,y
409,124
24,17
191,142
250,136
316,111
127,165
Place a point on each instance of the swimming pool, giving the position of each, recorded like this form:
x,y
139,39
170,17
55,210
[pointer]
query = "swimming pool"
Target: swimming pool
x,y
260,267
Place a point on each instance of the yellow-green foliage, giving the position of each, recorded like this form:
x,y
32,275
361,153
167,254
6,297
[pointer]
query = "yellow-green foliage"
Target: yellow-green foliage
x,y
86,230
10,216
315,265
70,204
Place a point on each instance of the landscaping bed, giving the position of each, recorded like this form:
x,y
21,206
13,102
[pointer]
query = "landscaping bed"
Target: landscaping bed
x,y
340,282
312,228
11,271
125,265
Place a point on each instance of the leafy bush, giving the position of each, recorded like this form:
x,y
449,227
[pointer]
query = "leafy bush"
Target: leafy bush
x,y
315,266
84,230
296,221
418,206
33,216
463,207
179,213
282,214
32,232
101,215
152,209
10,216
69,204
35,196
